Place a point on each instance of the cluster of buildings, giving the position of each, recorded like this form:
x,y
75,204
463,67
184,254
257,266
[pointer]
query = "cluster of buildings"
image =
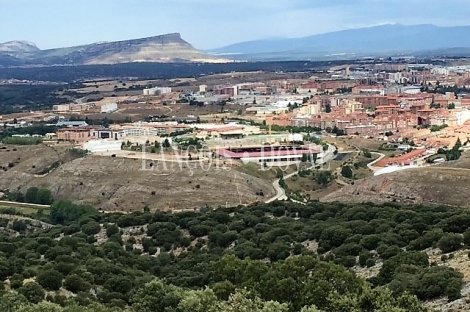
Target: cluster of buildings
x,y
139,132
394,101
78,108
246,143
391,101
413,158
391,116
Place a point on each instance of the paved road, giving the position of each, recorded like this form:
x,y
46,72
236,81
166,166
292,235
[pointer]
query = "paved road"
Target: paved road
x,y
281,193
6,202
371,164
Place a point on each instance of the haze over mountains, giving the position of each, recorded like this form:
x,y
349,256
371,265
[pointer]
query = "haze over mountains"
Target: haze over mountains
x,y
168,48
384,39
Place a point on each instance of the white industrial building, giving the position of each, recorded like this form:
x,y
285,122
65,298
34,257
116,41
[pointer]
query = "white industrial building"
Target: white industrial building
x,y
109,108
462,116
157,91
295,137
102,146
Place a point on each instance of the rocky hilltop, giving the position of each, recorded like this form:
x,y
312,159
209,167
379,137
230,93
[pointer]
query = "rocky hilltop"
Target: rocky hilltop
x,y
18,47
432,185
168,48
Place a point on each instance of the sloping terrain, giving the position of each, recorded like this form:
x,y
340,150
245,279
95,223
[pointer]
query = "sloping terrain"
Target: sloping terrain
x,y
391,38
433,185
463,162
18,46
121,184
164,49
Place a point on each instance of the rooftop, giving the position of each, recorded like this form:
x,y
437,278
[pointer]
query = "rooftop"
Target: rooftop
x,y
264,153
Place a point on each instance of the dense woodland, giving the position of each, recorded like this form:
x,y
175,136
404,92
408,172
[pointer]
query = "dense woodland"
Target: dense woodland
x,y
167,70
151,70
267,257
17,98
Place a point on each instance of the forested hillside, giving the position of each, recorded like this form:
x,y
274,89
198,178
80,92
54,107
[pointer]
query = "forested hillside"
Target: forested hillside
x,y
267,257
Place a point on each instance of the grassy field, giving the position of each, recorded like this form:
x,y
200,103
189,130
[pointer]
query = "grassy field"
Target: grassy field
x,y
108,86
256,171
353,143
267,174
27,210
308,187
360,169
357,143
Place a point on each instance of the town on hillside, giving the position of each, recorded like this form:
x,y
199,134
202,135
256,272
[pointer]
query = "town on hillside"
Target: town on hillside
x,y
420,112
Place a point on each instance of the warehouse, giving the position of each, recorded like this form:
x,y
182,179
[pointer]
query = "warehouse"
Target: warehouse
x,y
102,146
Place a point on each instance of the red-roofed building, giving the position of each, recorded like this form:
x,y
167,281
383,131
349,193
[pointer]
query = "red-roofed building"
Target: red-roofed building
x,y
266,154
402,160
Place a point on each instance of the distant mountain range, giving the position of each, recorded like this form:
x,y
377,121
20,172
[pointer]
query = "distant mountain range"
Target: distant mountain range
x,y
170,48
385,40
371,41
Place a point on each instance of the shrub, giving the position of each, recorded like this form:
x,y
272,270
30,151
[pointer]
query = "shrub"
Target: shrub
x,y
450,242
112,230
76,284
370,262
19,226
16,281
50,279
466,238
347,172
347,261
363,257
91,228
33,292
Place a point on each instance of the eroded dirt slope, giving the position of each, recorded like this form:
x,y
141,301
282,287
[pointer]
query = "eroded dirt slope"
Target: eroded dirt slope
x,y
436,185
121,184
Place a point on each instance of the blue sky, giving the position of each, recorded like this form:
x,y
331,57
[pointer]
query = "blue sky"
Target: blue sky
x,y
210,23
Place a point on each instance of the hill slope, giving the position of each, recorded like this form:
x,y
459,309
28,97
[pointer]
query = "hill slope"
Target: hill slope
x,y
378,39
18,47
434,185
165,49
121,184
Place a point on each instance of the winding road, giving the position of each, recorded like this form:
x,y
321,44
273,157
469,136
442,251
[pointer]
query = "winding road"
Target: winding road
x,y
372,163
281,193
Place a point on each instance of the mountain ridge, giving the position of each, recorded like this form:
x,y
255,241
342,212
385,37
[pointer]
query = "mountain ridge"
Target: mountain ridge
x,y
18,46
167,48
387,38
